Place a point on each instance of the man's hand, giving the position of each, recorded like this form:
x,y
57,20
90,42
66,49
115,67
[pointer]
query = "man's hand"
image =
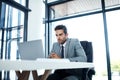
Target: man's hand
x,y
54,55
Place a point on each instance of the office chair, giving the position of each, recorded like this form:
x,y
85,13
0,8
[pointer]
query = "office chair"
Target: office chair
x,y
87,73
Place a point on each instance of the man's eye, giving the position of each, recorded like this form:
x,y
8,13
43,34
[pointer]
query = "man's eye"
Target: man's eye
x,y
60,34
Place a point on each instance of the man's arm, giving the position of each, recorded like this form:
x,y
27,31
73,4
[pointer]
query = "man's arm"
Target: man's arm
x,y
78,51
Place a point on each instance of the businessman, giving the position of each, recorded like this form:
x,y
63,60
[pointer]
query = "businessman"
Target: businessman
x,y
65,48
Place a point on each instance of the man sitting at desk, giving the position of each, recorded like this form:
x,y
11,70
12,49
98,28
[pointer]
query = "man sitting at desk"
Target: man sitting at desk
x,y
65,48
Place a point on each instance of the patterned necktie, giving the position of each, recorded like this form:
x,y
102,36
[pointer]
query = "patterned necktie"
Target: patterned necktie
x,y
62,51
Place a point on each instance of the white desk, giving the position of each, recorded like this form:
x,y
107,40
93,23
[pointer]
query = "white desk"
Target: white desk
x,y
41,64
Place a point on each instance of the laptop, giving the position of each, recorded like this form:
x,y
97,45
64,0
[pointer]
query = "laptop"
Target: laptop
x,y
31,50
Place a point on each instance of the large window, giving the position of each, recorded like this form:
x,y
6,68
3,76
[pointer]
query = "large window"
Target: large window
x,y
14,28
11,32
91,20
114,42
89,28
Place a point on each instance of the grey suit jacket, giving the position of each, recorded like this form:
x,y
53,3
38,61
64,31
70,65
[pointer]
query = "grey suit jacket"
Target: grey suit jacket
x,y
73,50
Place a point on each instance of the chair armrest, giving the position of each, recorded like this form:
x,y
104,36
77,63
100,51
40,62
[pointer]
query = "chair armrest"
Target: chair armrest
x,y
88,73
91,71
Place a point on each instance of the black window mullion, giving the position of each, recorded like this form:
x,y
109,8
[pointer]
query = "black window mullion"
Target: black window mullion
x,y
16,5
106,40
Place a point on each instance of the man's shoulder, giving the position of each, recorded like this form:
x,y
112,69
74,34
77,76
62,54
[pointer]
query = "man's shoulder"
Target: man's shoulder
x,y
73,39
55,43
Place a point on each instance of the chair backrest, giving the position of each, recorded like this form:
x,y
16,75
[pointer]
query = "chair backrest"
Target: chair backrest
x,y
87,73
87,46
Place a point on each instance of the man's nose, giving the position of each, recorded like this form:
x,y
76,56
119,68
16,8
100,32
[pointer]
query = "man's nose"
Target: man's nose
x,y
58,37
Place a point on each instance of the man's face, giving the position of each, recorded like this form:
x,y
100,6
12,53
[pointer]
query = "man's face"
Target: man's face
x,y
61,36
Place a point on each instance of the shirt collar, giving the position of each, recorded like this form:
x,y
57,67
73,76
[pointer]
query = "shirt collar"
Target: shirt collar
x,y
63,44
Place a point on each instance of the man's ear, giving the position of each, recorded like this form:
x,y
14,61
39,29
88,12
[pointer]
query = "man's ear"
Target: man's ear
x,y
67,34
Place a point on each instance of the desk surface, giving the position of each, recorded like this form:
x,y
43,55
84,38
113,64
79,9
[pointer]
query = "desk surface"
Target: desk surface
x,y
41,64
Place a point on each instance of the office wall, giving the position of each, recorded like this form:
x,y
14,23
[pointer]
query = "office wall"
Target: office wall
x,y
35,23
35,20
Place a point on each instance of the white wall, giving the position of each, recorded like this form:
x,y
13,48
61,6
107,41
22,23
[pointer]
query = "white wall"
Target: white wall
x,y
35,23
35,20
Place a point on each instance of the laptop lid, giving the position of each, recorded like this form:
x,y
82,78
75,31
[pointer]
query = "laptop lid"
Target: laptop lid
x,y
31,50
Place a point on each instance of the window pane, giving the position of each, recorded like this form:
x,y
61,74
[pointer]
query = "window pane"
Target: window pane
x,y
114,42
89,28
112,3
14,20
22,2
74,7
13,33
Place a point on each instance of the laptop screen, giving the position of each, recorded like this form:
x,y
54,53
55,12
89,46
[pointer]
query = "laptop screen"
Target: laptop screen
x,y
31,50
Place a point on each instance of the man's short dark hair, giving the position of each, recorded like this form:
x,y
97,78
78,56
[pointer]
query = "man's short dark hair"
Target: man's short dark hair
x,y
63,27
